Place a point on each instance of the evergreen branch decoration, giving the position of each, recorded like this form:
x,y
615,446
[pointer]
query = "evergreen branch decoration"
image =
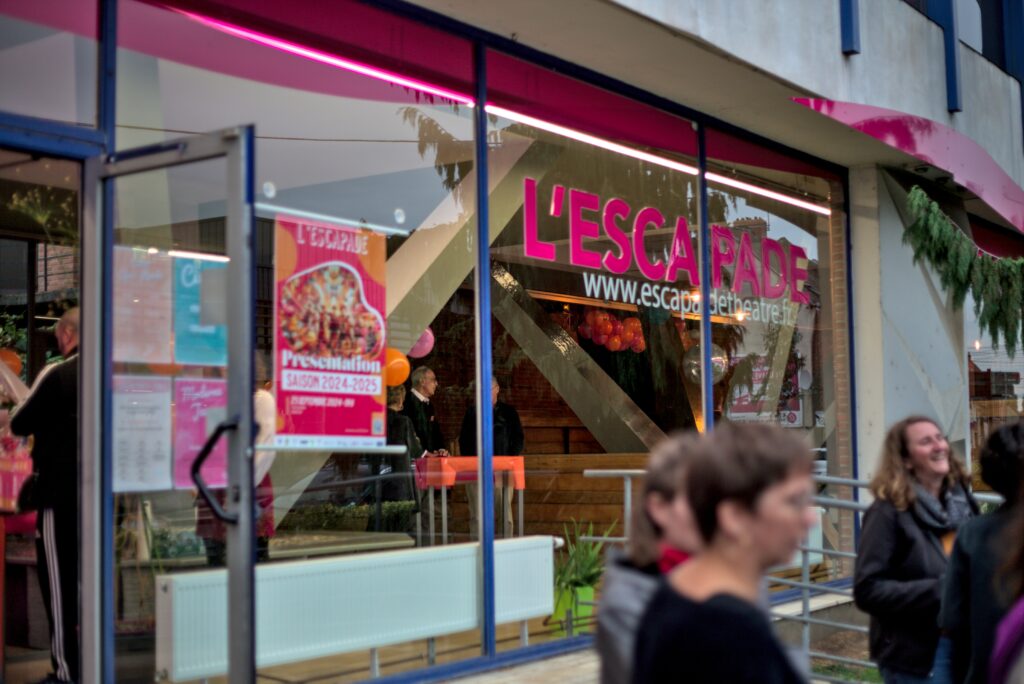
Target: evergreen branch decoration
x,y
995,285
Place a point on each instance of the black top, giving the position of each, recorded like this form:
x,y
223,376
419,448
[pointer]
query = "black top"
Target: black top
x,y
722,639
50,415
508,431
897,581
971,605
400,486
421,413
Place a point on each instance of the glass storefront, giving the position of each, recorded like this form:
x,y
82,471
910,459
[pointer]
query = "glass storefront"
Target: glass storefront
x,y
366,238
53,43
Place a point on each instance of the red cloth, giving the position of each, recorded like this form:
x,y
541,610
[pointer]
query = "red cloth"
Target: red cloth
x,y
670,558
209,526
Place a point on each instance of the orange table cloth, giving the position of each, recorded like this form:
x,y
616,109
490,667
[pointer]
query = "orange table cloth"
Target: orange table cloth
x,y
445,471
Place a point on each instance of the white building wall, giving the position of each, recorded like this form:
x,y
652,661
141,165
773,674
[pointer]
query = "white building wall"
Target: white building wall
x,y
901,65
909,340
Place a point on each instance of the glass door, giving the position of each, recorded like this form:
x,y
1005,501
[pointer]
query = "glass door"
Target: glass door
x,y
171,416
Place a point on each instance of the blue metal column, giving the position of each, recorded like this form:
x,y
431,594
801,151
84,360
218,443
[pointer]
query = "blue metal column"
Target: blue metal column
x,y
484,367
849,26
107,119
943,13
706,388
1013,44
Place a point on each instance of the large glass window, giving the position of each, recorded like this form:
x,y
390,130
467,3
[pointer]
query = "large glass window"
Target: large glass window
x,y
595,293
779,310
49,61
353,156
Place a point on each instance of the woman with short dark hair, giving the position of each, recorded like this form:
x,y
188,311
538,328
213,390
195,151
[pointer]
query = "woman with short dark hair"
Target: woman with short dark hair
x,y
750,489
921,500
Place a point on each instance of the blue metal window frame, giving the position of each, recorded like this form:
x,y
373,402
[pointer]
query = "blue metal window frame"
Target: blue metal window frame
x,y
75,143
943,13
849,26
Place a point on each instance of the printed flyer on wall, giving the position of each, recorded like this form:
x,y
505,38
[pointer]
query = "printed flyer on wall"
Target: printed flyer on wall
x,y
200,404
329,335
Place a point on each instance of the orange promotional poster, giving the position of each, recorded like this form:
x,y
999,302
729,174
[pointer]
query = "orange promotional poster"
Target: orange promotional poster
x,y
329,308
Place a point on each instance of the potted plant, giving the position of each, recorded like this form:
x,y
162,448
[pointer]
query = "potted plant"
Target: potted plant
x,y
578,569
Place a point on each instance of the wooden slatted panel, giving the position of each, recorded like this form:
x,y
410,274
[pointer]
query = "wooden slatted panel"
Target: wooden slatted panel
x,y
557,493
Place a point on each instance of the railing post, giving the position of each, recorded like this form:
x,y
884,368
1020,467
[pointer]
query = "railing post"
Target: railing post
x,y
805,595
627,506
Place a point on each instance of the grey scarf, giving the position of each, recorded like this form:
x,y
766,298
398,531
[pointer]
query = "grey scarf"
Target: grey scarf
x,y
945,514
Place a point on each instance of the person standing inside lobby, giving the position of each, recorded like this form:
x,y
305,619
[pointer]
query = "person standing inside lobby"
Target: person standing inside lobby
x,y
50,415
508,441
421,412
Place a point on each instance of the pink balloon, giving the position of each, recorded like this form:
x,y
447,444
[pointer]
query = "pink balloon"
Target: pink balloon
x,y
423,345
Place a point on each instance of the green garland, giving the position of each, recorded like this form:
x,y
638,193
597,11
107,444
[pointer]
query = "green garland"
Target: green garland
x,y
996,285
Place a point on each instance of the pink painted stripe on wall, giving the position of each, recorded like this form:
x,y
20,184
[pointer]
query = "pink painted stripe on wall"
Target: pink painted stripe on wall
x,y
936,144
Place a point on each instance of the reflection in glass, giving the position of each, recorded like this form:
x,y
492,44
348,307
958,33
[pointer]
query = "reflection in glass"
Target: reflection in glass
x,y
345,157
52,43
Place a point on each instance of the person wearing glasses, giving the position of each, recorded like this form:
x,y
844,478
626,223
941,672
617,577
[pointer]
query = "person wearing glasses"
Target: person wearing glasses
x,y
921,500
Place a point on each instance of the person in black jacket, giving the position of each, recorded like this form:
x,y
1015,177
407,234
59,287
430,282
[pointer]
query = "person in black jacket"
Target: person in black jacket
x,y
973,602
508,441
400,487
50,416
921,499
420,411
750,490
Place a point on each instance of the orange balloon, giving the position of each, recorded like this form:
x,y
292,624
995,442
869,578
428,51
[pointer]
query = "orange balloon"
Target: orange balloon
x,y
11,358
632,323
396,367
628,335
614,343
286,254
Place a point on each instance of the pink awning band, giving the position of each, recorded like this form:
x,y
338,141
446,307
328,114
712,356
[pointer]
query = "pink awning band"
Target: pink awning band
x,y
936,144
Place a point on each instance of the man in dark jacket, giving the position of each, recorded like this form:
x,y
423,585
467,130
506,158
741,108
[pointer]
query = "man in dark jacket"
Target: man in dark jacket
x,y
508,441
50,416
508,429
421,412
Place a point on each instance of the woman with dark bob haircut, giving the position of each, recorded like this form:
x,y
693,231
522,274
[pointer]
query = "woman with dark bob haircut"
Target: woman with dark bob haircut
x,y
921,500
750,489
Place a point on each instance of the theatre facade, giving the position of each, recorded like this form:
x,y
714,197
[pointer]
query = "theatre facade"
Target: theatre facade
x,y
625,231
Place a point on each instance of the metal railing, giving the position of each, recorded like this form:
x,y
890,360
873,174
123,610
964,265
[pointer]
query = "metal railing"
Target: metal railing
x,y
806,587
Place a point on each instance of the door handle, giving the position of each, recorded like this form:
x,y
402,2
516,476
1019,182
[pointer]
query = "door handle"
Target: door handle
x,y
197,478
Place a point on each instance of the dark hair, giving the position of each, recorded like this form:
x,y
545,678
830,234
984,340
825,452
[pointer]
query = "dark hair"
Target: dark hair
x,y
1012,570
396,394
738,462
1001,460
666,476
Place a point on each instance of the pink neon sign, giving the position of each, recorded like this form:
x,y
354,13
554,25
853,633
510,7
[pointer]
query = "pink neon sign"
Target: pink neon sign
x,y
767,273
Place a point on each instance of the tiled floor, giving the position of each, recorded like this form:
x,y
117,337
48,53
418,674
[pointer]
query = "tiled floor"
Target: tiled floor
x,y
575,668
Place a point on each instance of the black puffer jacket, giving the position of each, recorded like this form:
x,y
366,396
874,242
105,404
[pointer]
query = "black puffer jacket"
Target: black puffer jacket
x,y
898,582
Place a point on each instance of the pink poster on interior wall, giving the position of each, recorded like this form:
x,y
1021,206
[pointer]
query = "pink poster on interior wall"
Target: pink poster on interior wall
x,y
329,353
199,405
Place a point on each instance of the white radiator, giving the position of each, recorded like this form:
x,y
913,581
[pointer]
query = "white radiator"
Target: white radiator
x,y
315,608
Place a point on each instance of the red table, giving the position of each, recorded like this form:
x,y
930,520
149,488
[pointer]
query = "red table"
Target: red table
x,y
444,472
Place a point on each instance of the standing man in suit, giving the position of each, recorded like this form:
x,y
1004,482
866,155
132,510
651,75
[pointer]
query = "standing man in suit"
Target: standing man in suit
x,y
421,412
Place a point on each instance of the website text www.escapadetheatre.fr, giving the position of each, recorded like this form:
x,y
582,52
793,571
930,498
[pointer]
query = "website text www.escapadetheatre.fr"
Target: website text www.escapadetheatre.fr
x,y
685,301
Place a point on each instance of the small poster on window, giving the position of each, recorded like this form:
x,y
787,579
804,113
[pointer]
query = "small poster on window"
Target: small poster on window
x,y
142,433
200,404
142,306
200,333
329,352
